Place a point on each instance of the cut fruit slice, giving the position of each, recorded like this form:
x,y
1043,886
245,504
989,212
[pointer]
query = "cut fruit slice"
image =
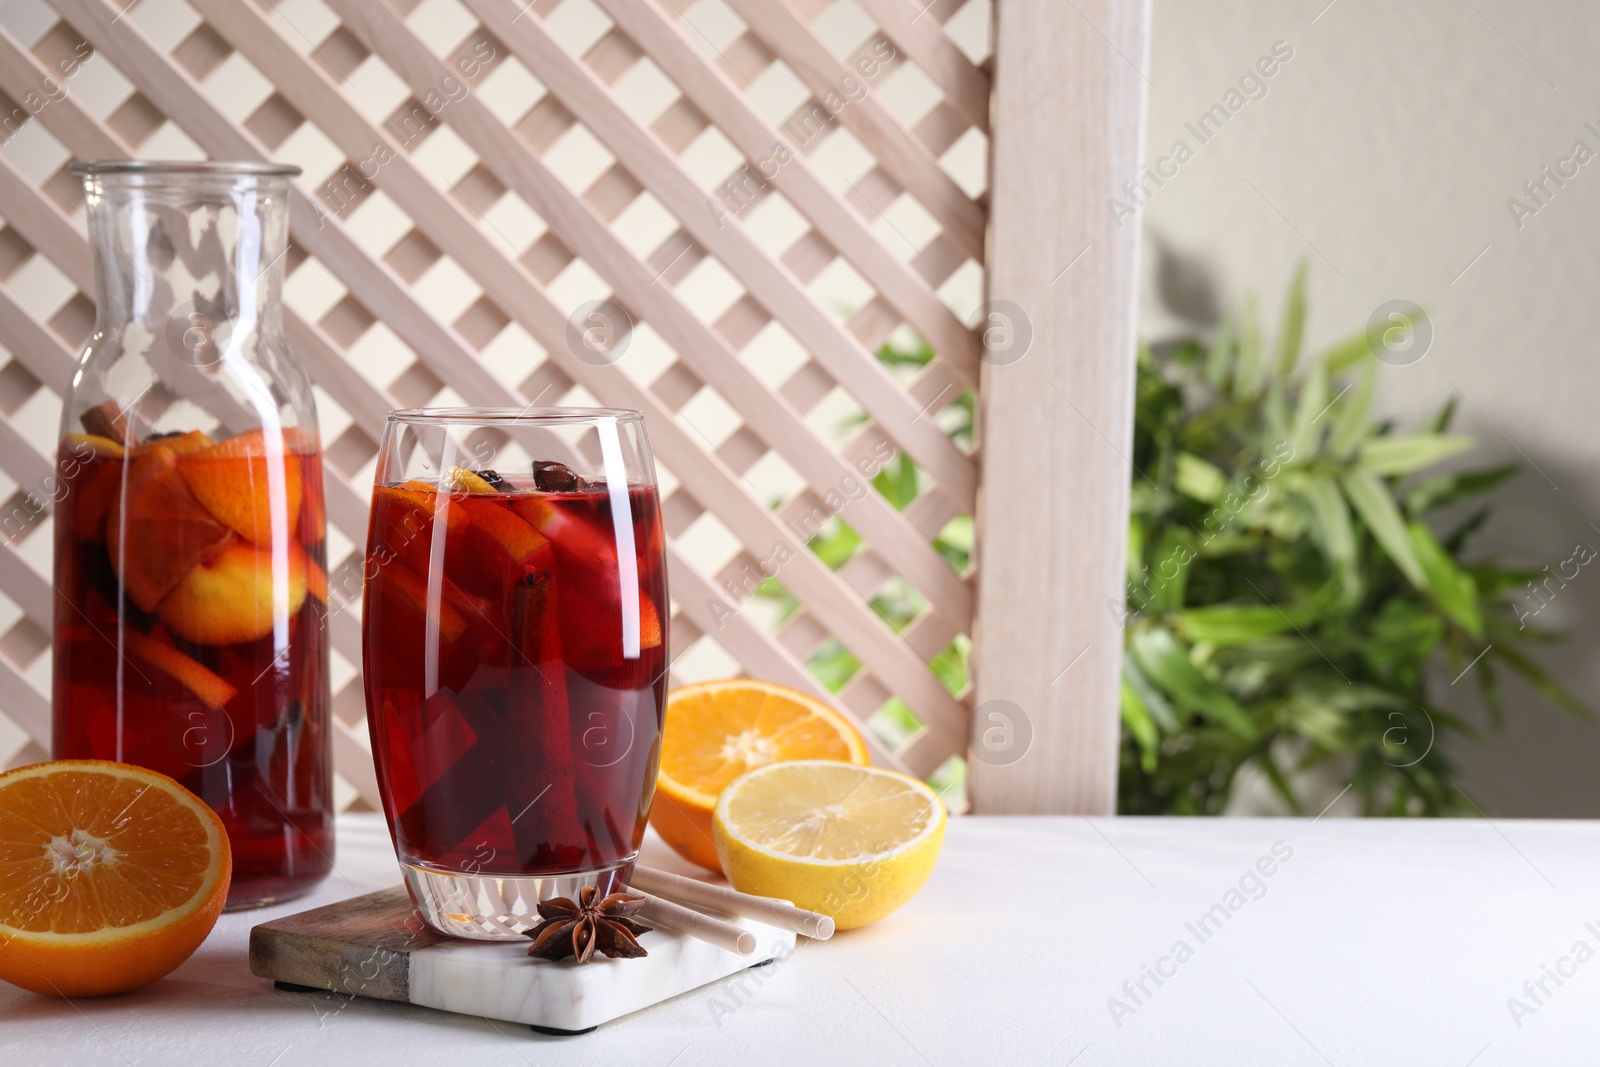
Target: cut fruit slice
x,y
462,480
85,446
570,536
212,689
716,731
180,444
851,842
114,876
649,622
413,589
402,521
235,481
496,548
497,530
157,531
232,597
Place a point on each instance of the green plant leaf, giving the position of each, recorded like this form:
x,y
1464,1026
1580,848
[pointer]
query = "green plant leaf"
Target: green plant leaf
x,y
1395,456
1136,717
1197,479
1165,662
1159,707
1136,537
1219,360
1353,423
836,543
1441,422
1248,375
1169,573
1308,414
1232,624
1536,676
1349,353
1293,329
1401,637
1280,783
1377,509
1330,518
1443,489
1452,590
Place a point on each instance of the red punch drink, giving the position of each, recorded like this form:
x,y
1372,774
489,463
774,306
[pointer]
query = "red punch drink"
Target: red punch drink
x,y
189,635
515,663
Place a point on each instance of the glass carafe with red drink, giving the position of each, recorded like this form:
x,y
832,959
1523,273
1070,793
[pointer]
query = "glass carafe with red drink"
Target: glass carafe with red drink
x,y
515,655
191,589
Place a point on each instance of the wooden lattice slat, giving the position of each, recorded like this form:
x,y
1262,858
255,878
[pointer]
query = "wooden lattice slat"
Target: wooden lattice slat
x,y
385,305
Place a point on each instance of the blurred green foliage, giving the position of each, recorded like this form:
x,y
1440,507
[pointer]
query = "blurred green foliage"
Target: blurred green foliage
x,y
1287,587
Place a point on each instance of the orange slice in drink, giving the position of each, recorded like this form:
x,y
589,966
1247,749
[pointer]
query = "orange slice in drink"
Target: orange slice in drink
x,y
113,876
86,446
156,531
398,584
236,480
498,525
402,523
716,731
233,596
213,690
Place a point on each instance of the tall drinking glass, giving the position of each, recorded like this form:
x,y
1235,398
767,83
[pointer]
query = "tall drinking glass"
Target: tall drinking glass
x,y
515,654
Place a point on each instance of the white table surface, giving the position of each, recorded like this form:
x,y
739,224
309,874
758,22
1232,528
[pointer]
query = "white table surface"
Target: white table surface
x,y
1377,942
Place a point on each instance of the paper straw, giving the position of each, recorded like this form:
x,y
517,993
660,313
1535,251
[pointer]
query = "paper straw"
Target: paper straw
x,y
687,921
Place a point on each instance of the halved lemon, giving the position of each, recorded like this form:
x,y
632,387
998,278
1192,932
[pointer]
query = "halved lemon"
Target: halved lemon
x,y
716,731
851,842
112,876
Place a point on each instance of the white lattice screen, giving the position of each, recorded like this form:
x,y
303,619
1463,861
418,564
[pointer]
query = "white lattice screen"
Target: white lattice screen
x,y
771,189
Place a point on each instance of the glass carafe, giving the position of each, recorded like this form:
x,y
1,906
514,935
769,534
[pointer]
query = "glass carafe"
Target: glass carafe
x,y
190,566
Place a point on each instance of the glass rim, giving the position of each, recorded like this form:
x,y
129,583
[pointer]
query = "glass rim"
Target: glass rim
x,y
495,416
199,167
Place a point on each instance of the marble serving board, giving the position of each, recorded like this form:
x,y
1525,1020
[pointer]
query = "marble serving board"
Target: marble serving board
x,y
375,946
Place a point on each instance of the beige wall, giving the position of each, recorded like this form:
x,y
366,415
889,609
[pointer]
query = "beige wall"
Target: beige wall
x,y
1385,150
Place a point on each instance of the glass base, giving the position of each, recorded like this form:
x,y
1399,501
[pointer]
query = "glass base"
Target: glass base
x,y
488,907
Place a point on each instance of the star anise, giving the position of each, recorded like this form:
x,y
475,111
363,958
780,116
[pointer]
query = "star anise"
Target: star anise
x,y
578,930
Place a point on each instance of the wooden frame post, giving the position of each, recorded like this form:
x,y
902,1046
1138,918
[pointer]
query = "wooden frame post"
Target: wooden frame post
x,y
1057,403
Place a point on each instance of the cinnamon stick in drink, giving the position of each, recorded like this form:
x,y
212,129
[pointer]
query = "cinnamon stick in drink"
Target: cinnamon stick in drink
x,y
544,811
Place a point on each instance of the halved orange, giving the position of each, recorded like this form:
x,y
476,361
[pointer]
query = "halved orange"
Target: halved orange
x,y
236,478
716,731
113,876
156,531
